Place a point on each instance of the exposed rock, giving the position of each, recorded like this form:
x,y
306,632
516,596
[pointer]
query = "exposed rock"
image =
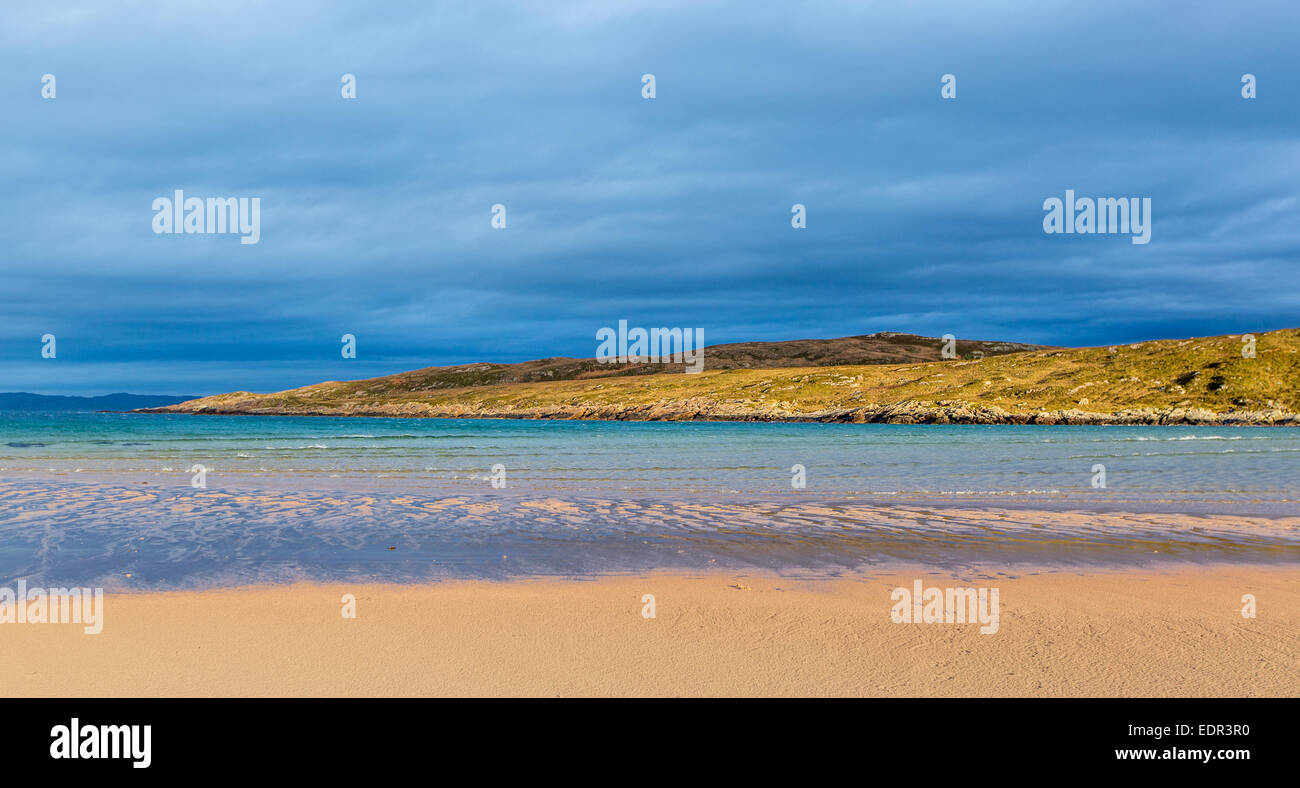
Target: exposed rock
x,y
908,412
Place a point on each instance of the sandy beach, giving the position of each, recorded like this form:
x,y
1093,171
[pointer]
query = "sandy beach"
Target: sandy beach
x,y
1175,631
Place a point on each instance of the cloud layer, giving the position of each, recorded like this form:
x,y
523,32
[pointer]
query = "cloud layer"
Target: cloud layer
x,y
924,214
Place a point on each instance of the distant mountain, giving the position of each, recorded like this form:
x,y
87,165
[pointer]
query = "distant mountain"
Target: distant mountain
x,y
24,401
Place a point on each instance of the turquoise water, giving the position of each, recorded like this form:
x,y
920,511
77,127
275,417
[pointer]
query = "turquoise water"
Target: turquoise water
x,y
99,496
1045,463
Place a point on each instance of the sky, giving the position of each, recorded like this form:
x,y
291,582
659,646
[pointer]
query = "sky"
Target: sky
x,y
923,214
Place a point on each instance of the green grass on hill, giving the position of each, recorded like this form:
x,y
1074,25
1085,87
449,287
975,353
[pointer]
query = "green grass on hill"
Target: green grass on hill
x,y
1208,373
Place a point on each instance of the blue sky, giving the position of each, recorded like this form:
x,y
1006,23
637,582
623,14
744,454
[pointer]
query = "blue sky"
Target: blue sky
x,y
924,214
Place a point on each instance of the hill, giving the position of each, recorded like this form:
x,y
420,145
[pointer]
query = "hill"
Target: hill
x,y
882,348
1190,381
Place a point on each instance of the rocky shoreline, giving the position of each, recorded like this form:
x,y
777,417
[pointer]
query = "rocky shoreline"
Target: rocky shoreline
x,y
909,412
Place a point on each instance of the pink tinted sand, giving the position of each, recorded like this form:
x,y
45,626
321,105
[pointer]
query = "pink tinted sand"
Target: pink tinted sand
x,y
1137,632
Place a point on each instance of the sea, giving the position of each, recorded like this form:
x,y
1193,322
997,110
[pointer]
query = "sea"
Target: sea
x,y
160,501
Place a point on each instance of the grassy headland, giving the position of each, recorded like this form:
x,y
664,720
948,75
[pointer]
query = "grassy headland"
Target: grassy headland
x,y
1188,381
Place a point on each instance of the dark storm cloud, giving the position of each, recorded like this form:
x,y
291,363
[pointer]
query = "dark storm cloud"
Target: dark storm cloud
x,y
924,215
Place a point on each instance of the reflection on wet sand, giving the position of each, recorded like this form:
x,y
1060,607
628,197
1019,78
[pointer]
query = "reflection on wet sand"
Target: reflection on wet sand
x,y
178,537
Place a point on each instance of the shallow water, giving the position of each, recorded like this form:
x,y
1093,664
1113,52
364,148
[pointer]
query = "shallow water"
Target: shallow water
x,y
88,499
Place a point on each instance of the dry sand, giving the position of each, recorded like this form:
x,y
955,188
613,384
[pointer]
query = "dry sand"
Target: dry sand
x,y
1174,632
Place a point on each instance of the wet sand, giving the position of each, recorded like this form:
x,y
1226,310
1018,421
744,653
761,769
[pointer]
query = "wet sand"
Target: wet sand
x,y
148,538
1177,631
